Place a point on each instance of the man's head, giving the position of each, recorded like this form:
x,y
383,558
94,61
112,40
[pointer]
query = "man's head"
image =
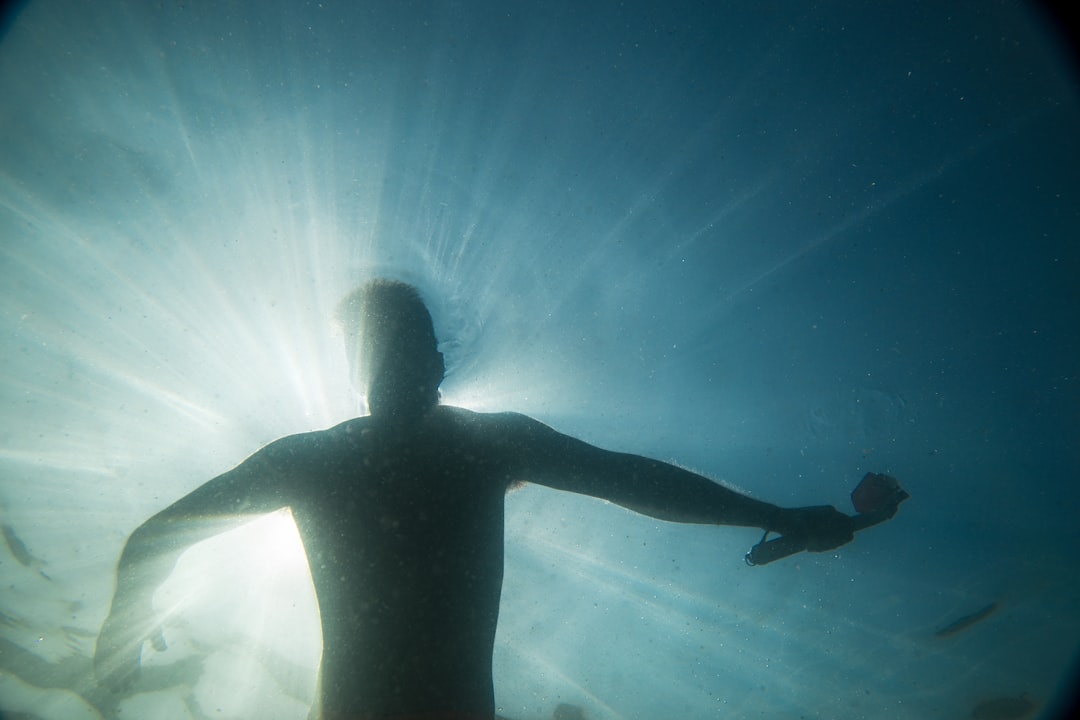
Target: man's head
x,y
392,348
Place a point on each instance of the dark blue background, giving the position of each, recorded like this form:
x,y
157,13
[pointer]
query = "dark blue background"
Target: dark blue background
x,y
783,245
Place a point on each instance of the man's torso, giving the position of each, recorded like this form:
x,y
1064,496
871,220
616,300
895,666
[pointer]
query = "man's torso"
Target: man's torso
x,y
404,535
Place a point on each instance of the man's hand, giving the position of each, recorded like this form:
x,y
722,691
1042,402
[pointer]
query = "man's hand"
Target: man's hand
x,y
116,658
819,528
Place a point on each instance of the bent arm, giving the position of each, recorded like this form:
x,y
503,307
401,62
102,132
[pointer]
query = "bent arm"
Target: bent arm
x,y
151,552
651,487
250,489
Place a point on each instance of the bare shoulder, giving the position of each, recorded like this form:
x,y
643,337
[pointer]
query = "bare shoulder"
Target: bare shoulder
x,y
300,446
494,425
522,441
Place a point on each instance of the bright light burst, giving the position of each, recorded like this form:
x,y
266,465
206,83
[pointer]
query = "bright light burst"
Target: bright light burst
x,y
251,582
188,189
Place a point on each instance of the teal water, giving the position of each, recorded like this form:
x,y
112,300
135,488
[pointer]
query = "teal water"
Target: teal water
x,y
782,246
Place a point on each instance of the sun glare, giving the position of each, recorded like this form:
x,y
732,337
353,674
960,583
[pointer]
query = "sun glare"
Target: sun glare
x,y
246,591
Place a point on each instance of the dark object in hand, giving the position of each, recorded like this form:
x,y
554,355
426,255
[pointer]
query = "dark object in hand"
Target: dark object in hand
x,y
876,498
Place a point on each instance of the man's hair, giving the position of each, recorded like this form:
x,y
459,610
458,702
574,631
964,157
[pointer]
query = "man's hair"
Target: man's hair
x,y
386,307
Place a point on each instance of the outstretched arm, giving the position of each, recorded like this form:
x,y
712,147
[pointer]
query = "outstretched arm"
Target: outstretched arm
x,y
659,489
153,548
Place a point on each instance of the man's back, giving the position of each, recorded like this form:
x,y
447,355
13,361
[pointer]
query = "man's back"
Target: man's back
x,y
403,530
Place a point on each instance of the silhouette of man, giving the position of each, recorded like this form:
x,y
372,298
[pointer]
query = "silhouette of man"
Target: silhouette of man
x,y
401,516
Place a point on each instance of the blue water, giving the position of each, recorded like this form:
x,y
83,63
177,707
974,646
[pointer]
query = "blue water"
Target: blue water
x,y
780,245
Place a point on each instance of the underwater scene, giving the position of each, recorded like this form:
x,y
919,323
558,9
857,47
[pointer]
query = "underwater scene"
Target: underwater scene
x,y
822,254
